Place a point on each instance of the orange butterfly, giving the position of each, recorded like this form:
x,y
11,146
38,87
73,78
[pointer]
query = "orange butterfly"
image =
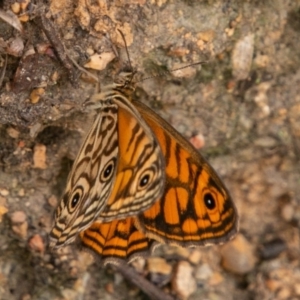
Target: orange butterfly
x,y
195,208
136,179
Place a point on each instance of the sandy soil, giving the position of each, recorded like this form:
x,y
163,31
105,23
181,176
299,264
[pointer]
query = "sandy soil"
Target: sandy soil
x,y
244,104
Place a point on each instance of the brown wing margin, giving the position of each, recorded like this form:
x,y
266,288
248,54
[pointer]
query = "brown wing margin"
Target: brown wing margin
x,y
116,241
196,208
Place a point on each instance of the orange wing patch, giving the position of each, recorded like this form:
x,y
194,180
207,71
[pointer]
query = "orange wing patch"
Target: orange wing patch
x,y
115,241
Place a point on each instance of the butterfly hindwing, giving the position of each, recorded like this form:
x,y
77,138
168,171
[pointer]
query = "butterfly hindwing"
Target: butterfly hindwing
x,y
196,208
116,241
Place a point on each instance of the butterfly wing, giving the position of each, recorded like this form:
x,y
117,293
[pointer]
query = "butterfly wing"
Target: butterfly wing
x,y
90,181
196,208
140,175
116,241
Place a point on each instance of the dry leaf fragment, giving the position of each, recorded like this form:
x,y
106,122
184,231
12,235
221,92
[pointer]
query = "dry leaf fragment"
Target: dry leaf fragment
x,y
10,18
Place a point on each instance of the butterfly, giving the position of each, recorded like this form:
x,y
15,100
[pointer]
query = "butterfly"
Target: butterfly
x,y
195,208
118,172
136,180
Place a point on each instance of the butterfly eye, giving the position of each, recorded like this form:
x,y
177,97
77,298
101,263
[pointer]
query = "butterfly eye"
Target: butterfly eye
x,y
75,200
107,171
209,201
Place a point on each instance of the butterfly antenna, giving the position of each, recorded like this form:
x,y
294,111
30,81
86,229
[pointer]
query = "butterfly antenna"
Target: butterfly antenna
x,y
174,70
127,52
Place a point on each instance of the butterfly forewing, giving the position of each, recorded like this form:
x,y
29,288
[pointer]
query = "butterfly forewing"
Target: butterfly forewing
x,y
90,181
140,175
196,208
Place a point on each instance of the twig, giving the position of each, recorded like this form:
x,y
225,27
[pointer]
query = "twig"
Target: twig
x,y
56,42
145,285
3,71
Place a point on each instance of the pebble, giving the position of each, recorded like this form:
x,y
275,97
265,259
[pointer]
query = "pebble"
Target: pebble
x,y
100,61
216,279
18,217
159,265
21,229
36,243
266,142
272,249
4,192
287,212
36,94
13,133
203,272
238,256
242,56
19,223
195,256
183,281
198,141
39,156
139,264
284,293
297,289
52,200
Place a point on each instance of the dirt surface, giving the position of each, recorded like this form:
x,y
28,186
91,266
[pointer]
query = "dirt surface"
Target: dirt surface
x,y
243,104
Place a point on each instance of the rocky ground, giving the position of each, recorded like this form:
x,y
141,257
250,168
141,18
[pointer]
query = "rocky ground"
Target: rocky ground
x,y
242,108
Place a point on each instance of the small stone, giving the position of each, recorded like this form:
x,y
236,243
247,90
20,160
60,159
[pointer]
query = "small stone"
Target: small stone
x,y
203,272
21,229
16,7
18,217
242,56
265,142
13,133
100,61
36,94
139,264
216,279
109,287
26,297
273,284
180,72
36,243
297,289
52,200
195,256
21,192
238,256
39,156
287,212
272,249
284,293
159,265
183,282
206,36
4,192
198,141
23,18
24,4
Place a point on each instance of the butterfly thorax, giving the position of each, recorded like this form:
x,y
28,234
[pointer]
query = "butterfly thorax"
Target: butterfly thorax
x,y
122,89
